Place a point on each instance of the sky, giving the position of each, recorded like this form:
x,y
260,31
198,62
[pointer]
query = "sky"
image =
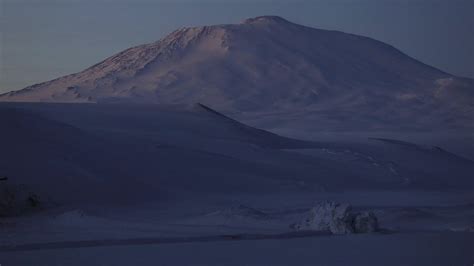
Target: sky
x,y
44,39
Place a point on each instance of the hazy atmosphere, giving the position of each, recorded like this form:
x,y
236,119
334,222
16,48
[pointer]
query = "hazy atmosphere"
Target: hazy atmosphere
x,y
44,39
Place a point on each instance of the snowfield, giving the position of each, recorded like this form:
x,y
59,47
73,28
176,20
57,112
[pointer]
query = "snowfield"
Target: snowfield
x,y
144,184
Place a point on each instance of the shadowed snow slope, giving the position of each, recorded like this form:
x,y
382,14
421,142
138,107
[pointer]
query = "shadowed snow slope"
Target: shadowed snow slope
x,y
126,153
267,64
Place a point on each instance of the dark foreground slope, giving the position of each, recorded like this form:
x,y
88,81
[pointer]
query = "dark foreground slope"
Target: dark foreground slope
x,y
126,153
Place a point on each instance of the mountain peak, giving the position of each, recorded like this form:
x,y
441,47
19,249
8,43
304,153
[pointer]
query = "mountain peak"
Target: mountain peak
x,y
266,19
264,64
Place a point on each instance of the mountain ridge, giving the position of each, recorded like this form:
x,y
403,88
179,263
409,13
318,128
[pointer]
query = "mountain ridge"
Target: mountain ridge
x,y
264,64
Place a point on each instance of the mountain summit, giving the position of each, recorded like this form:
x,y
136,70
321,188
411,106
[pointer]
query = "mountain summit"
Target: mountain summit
x,y
263,64
266,19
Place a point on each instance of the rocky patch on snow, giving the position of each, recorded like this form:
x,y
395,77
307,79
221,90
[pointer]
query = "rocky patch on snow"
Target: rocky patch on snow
x,y
338,218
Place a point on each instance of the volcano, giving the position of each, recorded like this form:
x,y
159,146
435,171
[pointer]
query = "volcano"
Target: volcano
x,y
270,65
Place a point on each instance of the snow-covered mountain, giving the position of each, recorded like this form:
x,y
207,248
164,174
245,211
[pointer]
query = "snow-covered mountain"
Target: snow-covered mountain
x,y
268,64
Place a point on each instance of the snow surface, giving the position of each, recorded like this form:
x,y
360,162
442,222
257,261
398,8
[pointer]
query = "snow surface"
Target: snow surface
x,y
129,184
397,249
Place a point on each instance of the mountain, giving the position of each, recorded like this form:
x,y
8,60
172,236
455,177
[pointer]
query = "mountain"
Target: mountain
x,y
270,65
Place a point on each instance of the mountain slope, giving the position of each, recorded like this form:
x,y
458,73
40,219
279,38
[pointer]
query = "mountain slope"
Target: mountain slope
x,y
266,64
120,152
